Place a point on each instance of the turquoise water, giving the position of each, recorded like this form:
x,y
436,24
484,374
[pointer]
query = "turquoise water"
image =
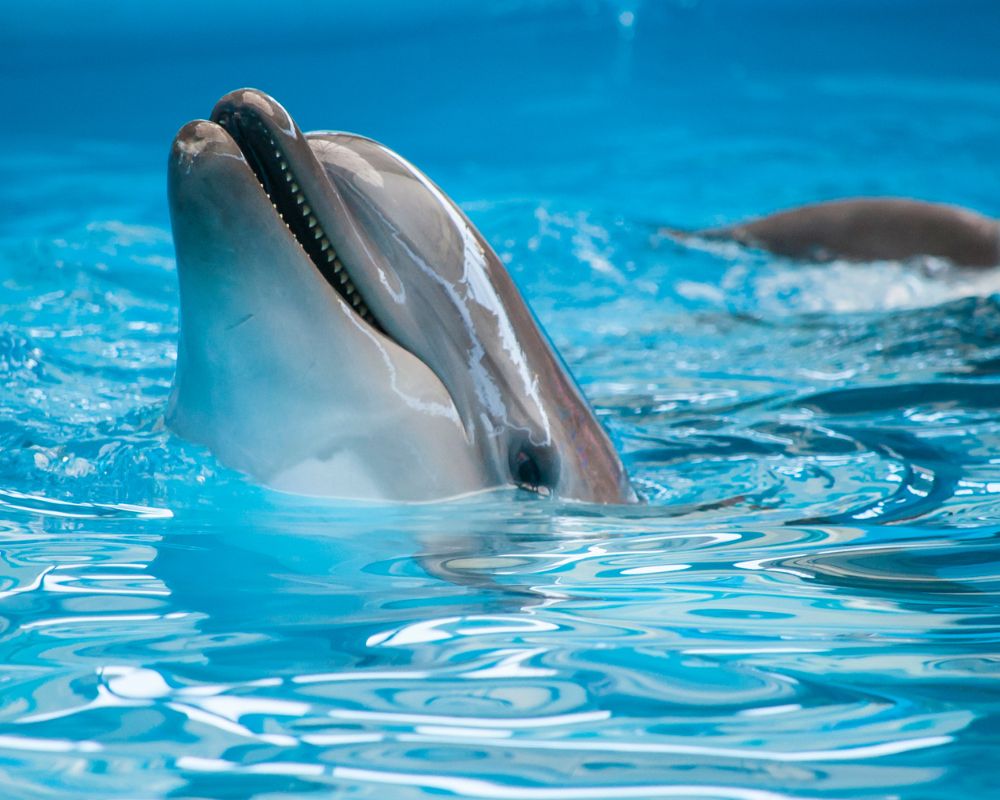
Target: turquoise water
x,y
807,606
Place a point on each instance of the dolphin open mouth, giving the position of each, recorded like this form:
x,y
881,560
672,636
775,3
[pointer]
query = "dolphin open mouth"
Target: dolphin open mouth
x,y
346,331
263,152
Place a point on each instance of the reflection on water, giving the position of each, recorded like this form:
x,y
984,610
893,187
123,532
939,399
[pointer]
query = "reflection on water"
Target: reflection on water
x,y
494,649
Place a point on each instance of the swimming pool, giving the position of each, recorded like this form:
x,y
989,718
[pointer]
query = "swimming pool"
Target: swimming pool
x,y
807,605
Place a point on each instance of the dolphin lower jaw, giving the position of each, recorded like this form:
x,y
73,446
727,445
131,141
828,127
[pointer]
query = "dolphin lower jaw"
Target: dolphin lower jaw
x,y
276,372
262,146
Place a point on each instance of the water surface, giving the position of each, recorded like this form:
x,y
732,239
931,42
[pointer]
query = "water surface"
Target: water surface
x,y
806,606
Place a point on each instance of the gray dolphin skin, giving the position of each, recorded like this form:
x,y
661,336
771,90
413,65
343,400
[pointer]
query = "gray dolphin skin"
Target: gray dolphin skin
x,y
346,331
871,229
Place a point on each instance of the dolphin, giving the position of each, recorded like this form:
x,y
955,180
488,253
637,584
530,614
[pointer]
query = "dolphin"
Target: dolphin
x,y
869,229
346,331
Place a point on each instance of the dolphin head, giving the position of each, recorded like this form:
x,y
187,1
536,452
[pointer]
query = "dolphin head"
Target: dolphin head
x,y
346,331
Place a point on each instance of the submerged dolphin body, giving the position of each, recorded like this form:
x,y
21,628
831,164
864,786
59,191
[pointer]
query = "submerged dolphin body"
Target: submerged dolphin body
x,y
870,229
346,331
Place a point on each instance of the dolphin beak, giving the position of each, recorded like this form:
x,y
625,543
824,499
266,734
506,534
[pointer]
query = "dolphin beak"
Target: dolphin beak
x,y
294,180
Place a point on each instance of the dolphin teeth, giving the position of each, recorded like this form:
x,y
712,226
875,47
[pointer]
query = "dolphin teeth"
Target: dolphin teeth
x,y
294,187
319,233
312,221
324,245
299,199
306,210
283,165
331,257
288,176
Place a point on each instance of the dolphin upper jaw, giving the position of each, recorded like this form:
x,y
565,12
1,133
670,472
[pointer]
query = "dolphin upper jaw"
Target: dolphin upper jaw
x,y
345,330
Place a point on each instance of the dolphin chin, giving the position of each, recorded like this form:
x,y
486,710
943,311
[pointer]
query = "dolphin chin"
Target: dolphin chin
x,y
346,331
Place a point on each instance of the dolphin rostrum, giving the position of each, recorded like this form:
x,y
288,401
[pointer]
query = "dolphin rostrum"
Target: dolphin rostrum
x,y
346,331
869,229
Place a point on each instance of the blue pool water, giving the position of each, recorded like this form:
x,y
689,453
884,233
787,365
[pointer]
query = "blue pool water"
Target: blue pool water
x,y
807,606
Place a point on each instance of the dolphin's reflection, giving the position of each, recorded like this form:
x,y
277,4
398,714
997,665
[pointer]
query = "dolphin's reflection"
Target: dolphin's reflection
x,y
303,590
309,590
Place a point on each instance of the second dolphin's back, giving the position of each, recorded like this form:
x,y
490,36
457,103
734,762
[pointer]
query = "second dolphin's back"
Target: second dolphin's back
x,y
872,229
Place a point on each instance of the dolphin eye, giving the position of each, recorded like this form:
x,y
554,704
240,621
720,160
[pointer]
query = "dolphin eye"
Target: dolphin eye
x,y
526,471
533,467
